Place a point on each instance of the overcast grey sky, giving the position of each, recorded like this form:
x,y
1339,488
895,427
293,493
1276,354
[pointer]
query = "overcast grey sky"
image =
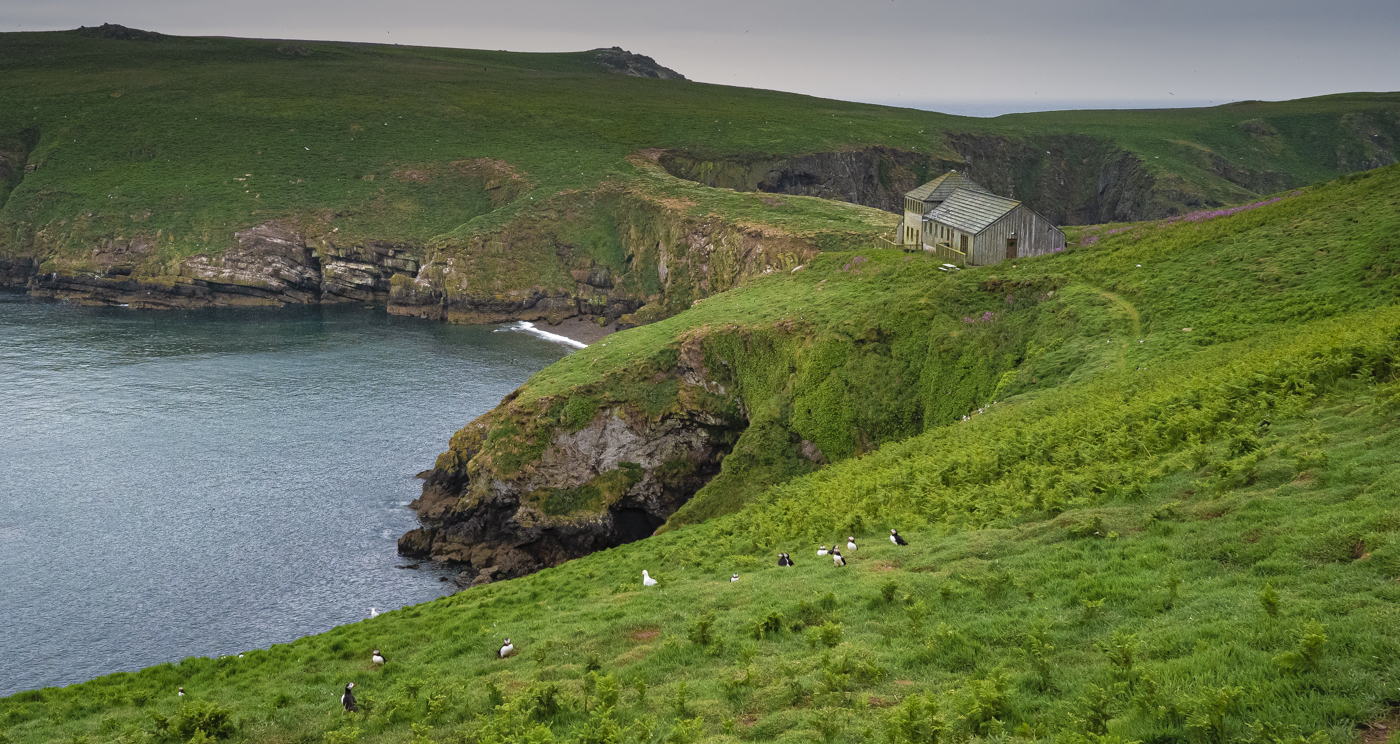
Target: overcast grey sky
x,y
926,54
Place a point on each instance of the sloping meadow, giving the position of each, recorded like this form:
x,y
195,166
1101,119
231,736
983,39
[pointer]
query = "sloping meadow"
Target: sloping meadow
x,y
1169,515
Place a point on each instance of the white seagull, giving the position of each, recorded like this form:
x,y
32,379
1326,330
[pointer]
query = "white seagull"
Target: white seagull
x,y
647,580
373,613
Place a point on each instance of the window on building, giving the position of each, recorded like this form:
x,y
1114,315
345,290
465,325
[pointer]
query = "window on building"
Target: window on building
x,y
964,244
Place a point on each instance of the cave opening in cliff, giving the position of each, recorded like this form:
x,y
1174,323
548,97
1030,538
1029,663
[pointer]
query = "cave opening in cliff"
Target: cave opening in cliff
x,y
635,524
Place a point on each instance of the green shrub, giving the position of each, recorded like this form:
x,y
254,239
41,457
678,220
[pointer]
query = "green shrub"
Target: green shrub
x,y
213,720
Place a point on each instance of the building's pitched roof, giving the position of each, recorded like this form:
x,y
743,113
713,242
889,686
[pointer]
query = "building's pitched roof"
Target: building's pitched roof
x,y
942,187
971,211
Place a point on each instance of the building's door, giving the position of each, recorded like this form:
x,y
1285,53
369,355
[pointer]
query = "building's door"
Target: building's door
x,y
1011,247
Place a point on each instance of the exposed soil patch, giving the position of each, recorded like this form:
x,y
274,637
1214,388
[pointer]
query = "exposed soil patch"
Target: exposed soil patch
x,y
1378,732
879,702
645,634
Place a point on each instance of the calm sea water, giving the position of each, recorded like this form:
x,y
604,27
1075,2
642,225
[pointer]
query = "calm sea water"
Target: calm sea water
x,y
207,482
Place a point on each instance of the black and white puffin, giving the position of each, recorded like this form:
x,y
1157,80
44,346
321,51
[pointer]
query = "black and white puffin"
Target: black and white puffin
x,y
734,578
348,699
836,557
822,551
377,658
851,543
784,559
180,692
507,648
896,539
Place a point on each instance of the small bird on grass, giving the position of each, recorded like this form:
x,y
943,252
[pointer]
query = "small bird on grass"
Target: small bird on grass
x,y
822,551
507,649
377,658
348,699
851,543
784,560
734,578
647,580
836,557
180,692
896,539
373,613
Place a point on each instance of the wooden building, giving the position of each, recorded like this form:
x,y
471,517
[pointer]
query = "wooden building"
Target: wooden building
x,y
978,228
918,202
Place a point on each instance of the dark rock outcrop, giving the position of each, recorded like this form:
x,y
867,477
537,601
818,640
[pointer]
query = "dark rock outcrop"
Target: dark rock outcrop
x,y
622,62
118,31
1071,179
612,481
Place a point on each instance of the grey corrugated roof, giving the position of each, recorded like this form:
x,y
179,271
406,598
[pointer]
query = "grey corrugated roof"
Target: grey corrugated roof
x,y
942,187
971,211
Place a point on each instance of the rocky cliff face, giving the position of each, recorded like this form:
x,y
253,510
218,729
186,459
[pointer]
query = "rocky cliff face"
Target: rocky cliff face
x,y
270,264
656,259
535,483
1071,179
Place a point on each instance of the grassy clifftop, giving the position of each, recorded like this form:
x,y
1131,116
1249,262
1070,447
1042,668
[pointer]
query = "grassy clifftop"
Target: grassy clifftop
x,y
129,157
1178,522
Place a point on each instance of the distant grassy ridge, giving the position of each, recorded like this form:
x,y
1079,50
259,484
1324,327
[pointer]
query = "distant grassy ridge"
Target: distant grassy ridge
x,y
189,139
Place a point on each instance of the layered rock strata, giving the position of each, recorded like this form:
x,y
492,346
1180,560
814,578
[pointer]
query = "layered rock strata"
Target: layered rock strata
x,y
519,490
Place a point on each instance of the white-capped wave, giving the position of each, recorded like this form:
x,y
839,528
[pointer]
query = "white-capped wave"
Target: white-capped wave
x,y
525,326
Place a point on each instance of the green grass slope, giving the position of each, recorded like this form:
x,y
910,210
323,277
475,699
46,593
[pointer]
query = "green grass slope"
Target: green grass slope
x,y
1155,534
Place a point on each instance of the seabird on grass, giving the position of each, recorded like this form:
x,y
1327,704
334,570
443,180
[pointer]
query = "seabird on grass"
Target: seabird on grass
x,y
822,551
180,692
348,699
784,559
373,613
851,543
734,578
836,557
896,539
507,648
377,658
647,580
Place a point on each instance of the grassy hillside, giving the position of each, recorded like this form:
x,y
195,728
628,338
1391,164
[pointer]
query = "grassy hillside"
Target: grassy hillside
x,y
856,351
133,155
1177,522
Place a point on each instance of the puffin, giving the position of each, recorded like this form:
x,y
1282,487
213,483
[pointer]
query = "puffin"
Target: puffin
x,y
851,543
647,580
180,692
348,699
377,658
836,557
733,578
784,560
822,551
507,648
896,539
